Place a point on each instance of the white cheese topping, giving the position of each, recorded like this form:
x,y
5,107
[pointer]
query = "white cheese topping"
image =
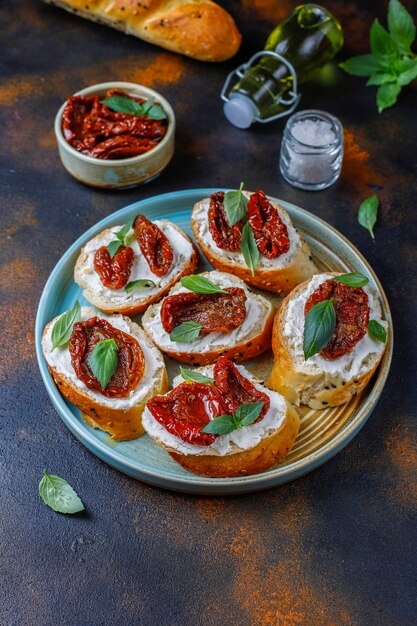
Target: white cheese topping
x,y
60,360
200,215
89,278
257,309
236,441
350,365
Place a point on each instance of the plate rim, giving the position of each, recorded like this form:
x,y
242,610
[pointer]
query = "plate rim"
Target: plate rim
x,y
194,483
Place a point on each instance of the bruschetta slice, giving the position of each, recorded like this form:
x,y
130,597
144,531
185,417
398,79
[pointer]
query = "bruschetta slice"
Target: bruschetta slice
x,y
229,425
328,339
197,325
263,247
127,267
105,366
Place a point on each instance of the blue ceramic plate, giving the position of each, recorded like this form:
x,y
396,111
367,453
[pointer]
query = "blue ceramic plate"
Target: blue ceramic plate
x,y
322,433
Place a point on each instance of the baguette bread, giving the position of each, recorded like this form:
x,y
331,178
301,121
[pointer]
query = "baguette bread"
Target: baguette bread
x,y
249,340
199,29
118,300
249,450
318,382
120,417
279,275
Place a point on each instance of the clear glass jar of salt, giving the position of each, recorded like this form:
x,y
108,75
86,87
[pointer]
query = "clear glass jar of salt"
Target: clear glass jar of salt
x,y
312,150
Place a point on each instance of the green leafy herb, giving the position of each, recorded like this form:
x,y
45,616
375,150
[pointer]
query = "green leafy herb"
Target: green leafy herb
x,y
121,238
200,284
367,214
391,64
59,495
140,284
249,248
103,361
354,279
122,104
186,332
245,415
377,331
192,375
235,205
320,322
62,329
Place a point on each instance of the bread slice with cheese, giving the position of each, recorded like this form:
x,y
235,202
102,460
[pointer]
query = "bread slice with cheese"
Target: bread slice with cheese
x,y
279,275
317,381
132,303
120,417
249,450
249,340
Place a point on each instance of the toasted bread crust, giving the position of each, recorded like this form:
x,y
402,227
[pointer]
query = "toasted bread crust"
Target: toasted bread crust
x,y
141,304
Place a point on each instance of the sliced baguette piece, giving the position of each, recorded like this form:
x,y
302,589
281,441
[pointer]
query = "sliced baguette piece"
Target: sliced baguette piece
x,y
120,417
319,382
279,275
251,339
118,300
250,450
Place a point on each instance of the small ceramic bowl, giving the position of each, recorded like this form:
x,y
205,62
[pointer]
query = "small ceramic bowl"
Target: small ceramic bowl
x,y
118,173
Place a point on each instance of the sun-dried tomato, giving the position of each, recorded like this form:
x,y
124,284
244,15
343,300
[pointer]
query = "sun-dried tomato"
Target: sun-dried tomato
x,y
225,236
271,234
130,363
215,312
114,272
154,245
352,316
235,389
185,411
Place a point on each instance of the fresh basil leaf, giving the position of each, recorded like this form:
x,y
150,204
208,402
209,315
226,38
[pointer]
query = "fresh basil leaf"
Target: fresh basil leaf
x,y
383,47
353,279
235,205
249,248
367,214
196,377
222,425
113,247
186,332
362,65
129,239
103,361
387,95
380,78
320,322
408,72
121,238
401,26
156,112
59,495
141,284
122,104
377,331
62,329
121,234
246,414
200,284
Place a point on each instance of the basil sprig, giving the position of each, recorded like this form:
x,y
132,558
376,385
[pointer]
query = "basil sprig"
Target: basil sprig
x,y
103,361
377,331
391,64
367,214
235,205
121,239
194,376
140,284
320,323
200,284
185,332
245,415
353,279
62,329
59,495
249,248
123,104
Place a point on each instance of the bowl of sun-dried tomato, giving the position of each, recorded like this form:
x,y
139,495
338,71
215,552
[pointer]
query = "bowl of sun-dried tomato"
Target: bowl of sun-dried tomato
x,y
115,135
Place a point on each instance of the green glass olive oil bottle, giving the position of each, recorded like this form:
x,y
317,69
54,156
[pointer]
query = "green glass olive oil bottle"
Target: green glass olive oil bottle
x,y
267,86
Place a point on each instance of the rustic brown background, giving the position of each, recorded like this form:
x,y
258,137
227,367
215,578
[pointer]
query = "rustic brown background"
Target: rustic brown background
x,y
335,547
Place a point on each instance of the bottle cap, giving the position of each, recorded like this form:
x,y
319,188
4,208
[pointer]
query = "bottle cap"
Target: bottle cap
x,y
240,111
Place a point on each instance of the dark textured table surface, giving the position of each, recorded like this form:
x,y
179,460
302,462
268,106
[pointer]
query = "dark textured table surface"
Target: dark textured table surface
x,y
335,547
